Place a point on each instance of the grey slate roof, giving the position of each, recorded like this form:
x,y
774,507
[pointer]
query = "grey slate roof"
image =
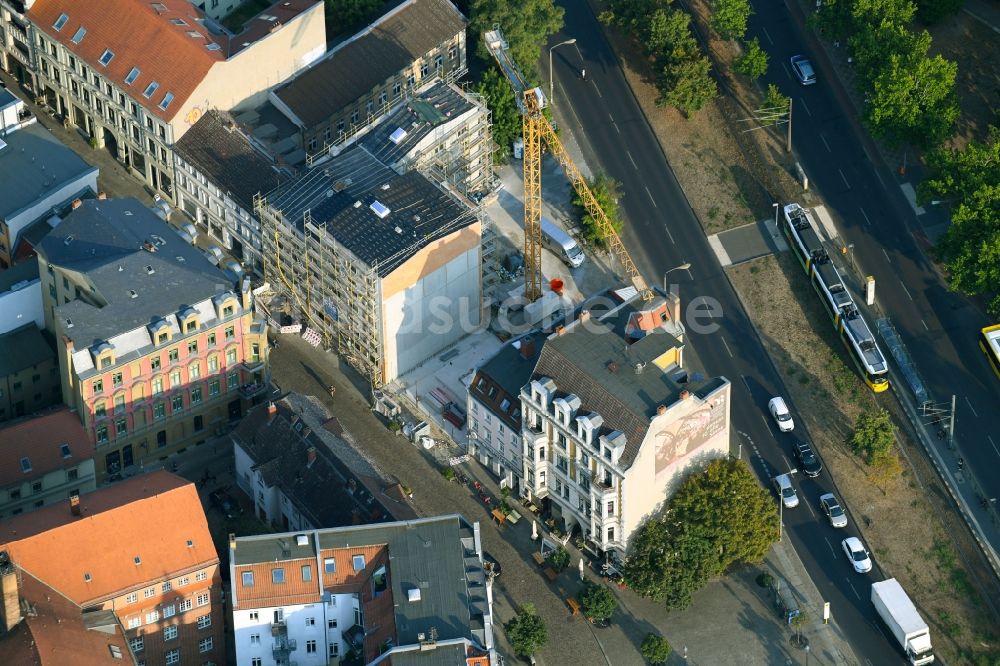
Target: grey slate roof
x,y
33,165
432,554
7,98
25,270
370,58
418,117
22,348
226,156
104,240
507,372
579,361
331,192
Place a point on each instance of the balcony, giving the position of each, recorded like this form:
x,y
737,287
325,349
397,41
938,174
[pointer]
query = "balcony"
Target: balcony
x,y
250,390
282,647
279,628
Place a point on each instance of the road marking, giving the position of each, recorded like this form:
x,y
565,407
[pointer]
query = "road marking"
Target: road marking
x,y
631,160
875,171
886,255
823,139
994,445
927,328
669,235
969,402
844,178
769,40
906,290
805,106
811,510
865,215
597,89
615,125
726,345
854,590
767,424
832,549
746,383
650,195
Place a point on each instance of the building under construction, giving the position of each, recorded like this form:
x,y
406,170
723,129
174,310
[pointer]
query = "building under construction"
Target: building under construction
x,y
385,261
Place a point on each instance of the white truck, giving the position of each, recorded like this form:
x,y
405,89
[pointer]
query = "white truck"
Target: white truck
x,y
903,620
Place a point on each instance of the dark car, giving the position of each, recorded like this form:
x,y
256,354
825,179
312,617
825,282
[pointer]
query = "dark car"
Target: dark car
x,y
811,464
224,502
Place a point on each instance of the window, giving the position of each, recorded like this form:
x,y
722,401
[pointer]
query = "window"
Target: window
x,y
330,565
307,573
438,61
159,411
203,599
152,617
132,76
116,379
173,355
154,363
149,592
185,605
181,582
106,57
232,379
254,639
247,579
335,648
204,621
157,384
396,88
60,22
176,404
424,70
100,410
359,562
310,647
137,644
102,434
98,386
175,379
255,661
331,623
205,644
167,99
310,622
213,363
194,371
170,633
121,427
200,576
162,337
132,598
227,311
119,401
231,356
78,35
193,347
213,387
452,52
277,575
230,332
134,622
211,339
169,611
254,616
173,656
611,534
150,89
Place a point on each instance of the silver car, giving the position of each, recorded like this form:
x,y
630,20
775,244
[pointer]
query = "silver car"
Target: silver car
x,y
783,486
803,70
856,553
829,505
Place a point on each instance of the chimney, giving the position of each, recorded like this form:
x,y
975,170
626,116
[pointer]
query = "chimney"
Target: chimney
x,y
612,367
102,196
527,348
310,456
77,203
585,315
74,505
272,409
560,329
661,410
685,394
10,604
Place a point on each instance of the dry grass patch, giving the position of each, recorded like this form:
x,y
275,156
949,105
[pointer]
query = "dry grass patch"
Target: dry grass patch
x,y
914,531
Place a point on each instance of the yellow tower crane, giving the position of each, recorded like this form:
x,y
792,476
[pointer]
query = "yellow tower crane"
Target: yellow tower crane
x,y
531,101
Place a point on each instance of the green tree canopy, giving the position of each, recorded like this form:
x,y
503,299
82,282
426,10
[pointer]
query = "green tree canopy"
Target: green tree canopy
x,y
752,62
729,18
607,191
558,559
874,434
956,175
598,602
933,11
719,516
345,16
774,102
526,24
655,649
499,96
687,85
526,632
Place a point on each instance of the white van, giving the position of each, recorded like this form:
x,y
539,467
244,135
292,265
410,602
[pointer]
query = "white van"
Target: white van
x,y
561,243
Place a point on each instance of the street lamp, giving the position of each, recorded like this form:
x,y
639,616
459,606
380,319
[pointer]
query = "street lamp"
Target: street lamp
x,y
551,49
683,267
776,207
807,655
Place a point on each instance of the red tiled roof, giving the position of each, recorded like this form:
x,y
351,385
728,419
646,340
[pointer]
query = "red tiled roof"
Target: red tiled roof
x,y
40,439
150,516
55,633
140,34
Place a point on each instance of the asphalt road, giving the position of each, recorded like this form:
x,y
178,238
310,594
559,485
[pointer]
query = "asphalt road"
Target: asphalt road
x,y
939,328
662,233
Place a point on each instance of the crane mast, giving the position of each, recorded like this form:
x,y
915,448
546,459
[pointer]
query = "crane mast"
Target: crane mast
x,y
531,101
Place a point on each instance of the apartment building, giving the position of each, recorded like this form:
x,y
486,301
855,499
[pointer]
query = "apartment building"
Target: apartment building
x,y
134,76
364,76
29,373
219,171
40,626
38,174
494,409
404,593
612,421
384,266
293,465
139,550
44,459
158,349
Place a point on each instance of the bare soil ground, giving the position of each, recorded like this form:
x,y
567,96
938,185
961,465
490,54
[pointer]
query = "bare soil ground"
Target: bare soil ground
x,y
731,177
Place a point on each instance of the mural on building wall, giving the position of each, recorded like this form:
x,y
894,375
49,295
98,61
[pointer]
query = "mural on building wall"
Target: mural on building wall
x,y
691,432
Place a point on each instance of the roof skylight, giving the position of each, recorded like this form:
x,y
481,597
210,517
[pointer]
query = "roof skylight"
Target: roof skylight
x,y
106,57
167,99
150,89
60,22
25,465
132,76
78,37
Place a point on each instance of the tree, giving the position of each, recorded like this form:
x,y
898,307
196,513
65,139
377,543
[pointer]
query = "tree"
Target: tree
x,y
883,469
874,434
729,18
598,602
774,101
526,25
655,649
686,84
933,11
558,559
343,16
718,517
499,98
526,632
971,246
666,27
606,190
752,62
956,175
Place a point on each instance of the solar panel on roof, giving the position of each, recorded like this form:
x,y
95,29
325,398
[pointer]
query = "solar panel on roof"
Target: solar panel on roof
x,y
379,209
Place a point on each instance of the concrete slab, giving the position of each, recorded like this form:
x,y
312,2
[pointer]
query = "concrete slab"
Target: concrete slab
x,y
827,227
748,242
720,250
911,198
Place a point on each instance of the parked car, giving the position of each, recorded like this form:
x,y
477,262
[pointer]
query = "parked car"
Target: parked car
x,y
224,502
779,411
783,486
856,553
803,70
829,505
810,464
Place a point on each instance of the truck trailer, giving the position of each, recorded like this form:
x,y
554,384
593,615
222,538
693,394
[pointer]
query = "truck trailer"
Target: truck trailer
x,y
903,620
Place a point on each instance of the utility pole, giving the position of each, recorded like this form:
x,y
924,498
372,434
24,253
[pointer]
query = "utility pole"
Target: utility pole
x,y
951,425
788,142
